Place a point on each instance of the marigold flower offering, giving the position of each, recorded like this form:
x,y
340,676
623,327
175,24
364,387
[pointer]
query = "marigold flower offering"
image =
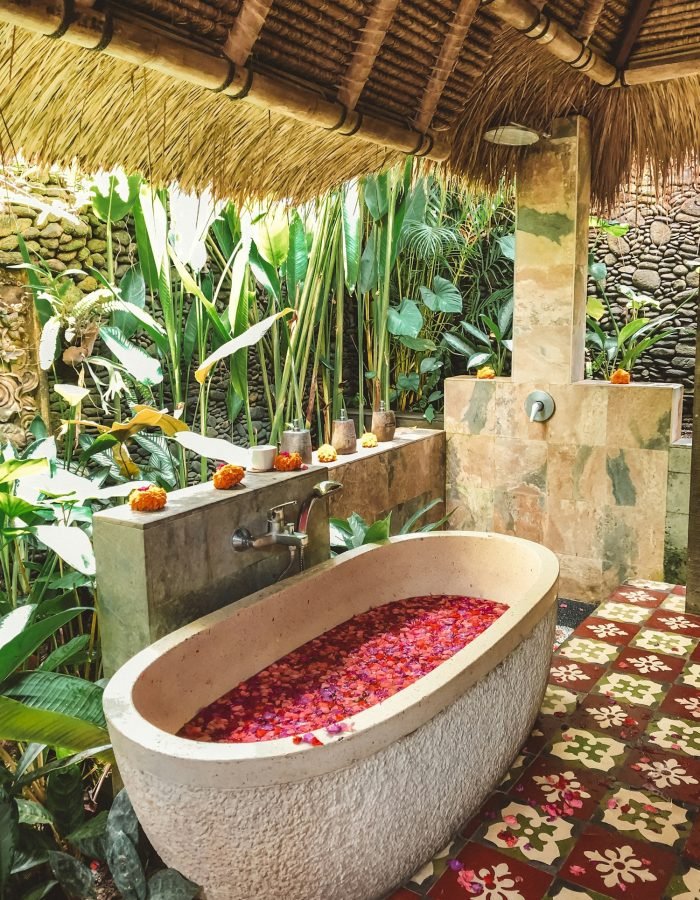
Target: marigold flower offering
x,y
148,499
486,372
288,462
327,453
620,376
228,476
350,668
368,440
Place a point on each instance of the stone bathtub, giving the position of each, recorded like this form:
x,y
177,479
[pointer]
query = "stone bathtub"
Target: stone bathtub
x,y
353,818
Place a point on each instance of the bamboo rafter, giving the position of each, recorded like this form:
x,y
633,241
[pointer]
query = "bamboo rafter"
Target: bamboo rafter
x,y
246,30
114,34
366,52
632,28
589,20
449,52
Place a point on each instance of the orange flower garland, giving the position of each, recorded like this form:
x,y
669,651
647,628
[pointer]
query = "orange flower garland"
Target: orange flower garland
x,y
148,499
228,476
288,462
327,453
619,376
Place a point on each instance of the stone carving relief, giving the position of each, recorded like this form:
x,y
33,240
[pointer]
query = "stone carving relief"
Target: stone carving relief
x,y
20,382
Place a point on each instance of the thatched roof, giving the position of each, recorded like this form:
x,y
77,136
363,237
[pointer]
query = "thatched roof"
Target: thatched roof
x,y
288,97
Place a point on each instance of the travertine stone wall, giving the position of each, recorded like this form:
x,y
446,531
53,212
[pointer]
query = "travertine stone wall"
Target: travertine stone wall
x,y
677,509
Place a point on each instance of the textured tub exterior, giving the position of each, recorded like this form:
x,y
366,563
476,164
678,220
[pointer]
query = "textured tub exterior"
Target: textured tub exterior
x,y
351,819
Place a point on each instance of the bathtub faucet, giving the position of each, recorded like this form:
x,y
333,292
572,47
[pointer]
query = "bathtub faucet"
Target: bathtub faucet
x,y
320,490
279,531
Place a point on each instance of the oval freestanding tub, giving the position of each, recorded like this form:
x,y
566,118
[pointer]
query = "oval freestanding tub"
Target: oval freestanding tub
x,y
353,818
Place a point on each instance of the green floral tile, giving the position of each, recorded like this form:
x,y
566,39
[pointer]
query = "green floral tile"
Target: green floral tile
x,y
674,603
663,642
623,612
649,817
590,750
526,833
584,650
631,689
691,675
685,887
675,734
558,701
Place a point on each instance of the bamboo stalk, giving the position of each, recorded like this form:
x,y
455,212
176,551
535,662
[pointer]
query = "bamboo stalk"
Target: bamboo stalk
x,y
246,30
551,34
141,44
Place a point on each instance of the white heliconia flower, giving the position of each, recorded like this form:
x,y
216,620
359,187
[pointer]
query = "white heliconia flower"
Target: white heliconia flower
x,y
649,664
608,716
73,394
619,866
691,705
569,672
675,623
667,773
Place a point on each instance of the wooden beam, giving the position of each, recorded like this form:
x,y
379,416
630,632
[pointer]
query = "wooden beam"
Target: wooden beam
x,y
449,53
692,600
668,68
547,31
114,33
589,19
373,34
246,30
633,26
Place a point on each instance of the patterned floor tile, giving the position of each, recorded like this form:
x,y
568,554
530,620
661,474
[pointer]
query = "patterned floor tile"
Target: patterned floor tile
x,y
522,761
674,602
531,835
695,655
679,589
403,894
429,873
558,701
631,689
677,623
671,774
544,728
685,886
576,676
684,701
692,847
490,875
599,713
595,628
623,612
489,812
638,596
649,585
646,816
618,866
588,749
657,666
583,650
675,734
663,642
560,789
562,891
691,675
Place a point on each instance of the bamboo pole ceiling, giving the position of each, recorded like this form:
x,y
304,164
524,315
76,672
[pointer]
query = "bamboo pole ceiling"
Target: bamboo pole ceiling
x,y
290,96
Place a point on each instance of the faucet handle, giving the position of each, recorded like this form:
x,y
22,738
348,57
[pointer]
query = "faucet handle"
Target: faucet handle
x,y
276,513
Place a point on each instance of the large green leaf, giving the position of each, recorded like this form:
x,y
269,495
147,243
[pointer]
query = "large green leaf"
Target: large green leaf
x,y
115,199
13,623
352,236
74,877
20,647
378,531
71,544
123,818
213,448
457,344
630,330
271,235
24,723
89,838
247,339
377,195
16,469
420,344
139,364
125,866
406,319
444,297
170,885
476,333
66,694
143,245
369,272
73,651
9,838
413,520
33,813
64,798
298,257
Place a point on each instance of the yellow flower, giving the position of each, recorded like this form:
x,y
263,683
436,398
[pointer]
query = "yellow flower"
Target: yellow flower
x,y
228,476
148,499
327,453
485,372
368,440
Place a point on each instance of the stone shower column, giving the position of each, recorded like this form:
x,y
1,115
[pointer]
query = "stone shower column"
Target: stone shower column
x,y
551,257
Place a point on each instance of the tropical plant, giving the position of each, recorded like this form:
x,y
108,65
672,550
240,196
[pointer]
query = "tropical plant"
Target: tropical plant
x,y
487,345
353,532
